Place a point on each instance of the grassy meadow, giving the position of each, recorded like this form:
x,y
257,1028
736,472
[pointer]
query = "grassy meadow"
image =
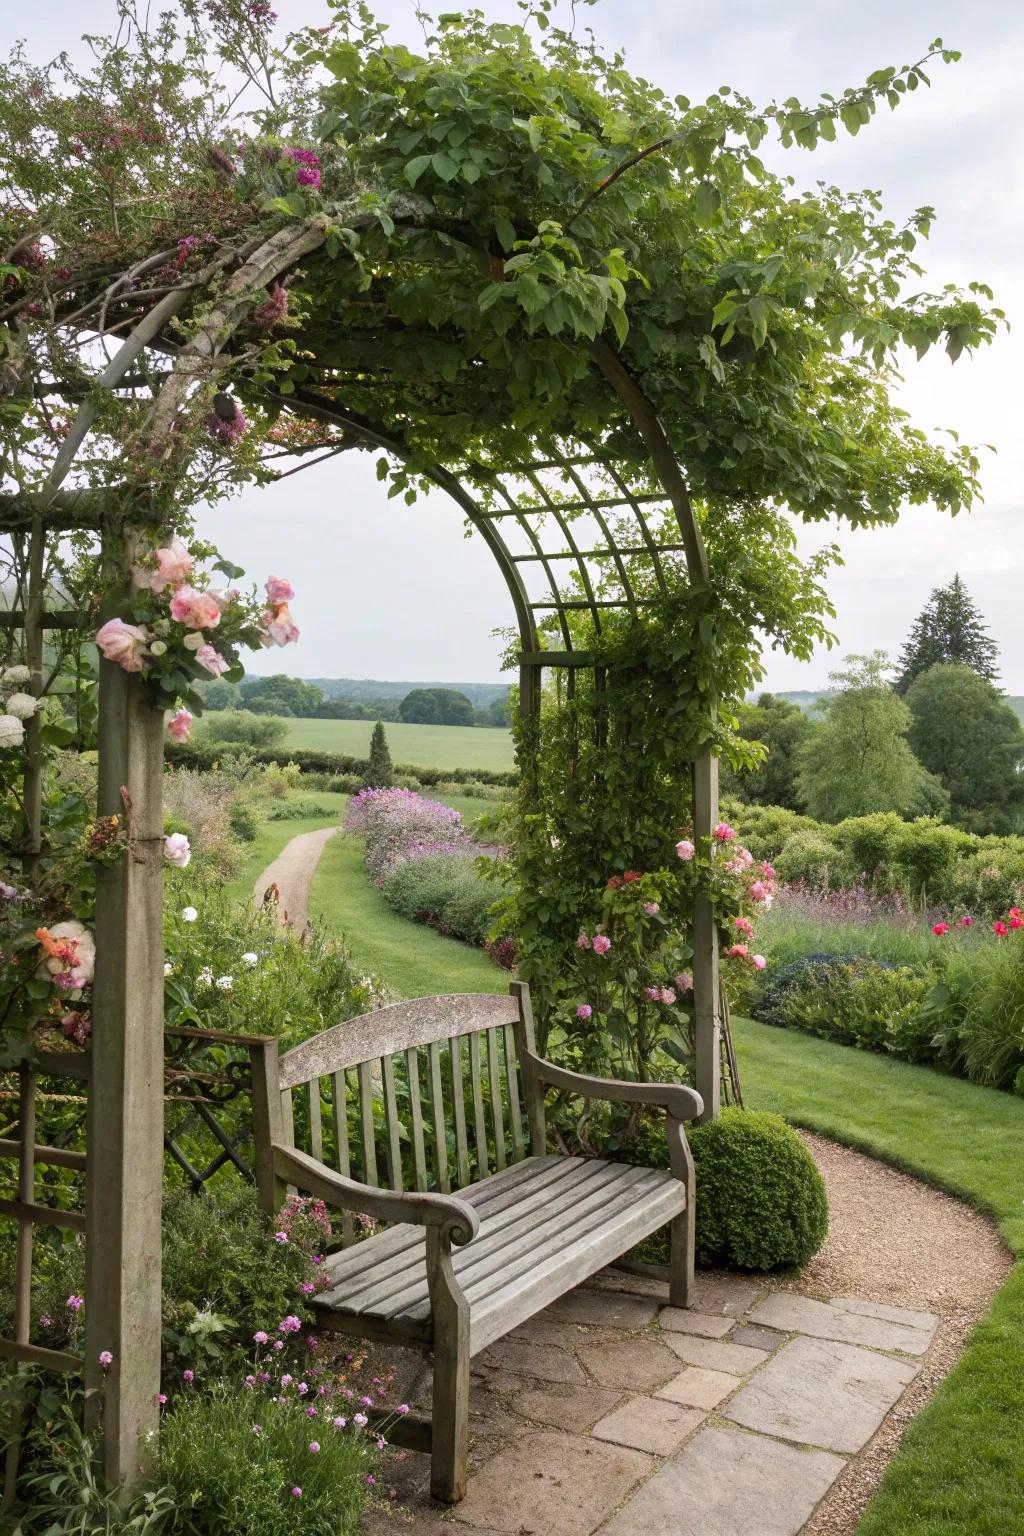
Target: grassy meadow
x,y
425,746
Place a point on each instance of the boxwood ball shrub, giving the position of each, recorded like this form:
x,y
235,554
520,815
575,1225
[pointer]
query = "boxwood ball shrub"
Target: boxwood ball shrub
x,y
761,1201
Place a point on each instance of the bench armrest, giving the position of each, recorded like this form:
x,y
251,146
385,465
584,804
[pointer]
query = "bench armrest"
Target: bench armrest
x,y
682,1103
456,1220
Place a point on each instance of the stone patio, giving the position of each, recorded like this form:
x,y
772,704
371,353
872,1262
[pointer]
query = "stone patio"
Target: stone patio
x,y
614,1413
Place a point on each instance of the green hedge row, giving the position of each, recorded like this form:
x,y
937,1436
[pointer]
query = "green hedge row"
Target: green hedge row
x,y
192,755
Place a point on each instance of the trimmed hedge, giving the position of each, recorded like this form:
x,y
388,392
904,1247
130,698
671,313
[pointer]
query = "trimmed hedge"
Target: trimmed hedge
x,y
195,755
761,1202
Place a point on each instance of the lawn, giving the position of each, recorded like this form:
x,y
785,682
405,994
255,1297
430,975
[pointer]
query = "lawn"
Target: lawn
x,y
960,1468
424,746
273,835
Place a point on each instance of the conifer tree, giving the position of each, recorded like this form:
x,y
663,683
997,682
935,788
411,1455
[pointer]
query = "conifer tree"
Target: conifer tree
x,y
380,774
949,630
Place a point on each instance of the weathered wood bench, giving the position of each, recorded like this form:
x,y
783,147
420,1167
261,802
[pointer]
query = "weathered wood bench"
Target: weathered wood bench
x,y
453,1273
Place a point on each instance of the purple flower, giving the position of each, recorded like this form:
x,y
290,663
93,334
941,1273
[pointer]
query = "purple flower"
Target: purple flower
x,y
161,1398
280,1237
314,1447
290,1324
601,944
296,1493
106,1358
45,1320
339,1422
584,1011
257,1429
260,1337
403,1409
188,1375
307,177
74,1303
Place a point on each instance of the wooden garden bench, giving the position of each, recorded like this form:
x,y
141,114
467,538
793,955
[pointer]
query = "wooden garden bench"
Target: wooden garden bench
x,y
453,1273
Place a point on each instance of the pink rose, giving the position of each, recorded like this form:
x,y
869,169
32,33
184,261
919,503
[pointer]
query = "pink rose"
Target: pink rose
x,y
124,643
179,727
601,944
583,942
684,981
212,660
652,994
723,833
177,850
758,962
279,590
685,849
584,1011
668,997
744,925
737,952
173,566
196,610
281,628
651,907
758,891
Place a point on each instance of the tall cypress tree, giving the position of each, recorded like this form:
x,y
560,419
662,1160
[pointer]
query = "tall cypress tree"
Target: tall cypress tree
x,y
948,629
380,774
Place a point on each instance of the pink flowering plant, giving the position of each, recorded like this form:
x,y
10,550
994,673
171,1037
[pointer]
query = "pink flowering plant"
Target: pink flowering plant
x,y
180,627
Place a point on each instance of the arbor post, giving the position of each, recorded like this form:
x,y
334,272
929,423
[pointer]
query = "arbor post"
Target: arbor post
x,y
706,996
125,1115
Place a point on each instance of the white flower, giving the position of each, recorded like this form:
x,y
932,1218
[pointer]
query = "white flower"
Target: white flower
x,y
22,705
768,899
158,647
12,732
193,640
250,959
15,676
225,983
205,977
168,968
189,914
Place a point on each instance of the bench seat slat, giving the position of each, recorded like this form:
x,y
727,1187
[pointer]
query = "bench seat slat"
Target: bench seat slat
x,y
584,1214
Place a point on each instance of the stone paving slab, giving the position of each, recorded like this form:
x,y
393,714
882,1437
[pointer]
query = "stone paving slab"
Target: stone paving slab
x,y
552,1484
637,1364
574,1408
710,1325
650,1424
820,1392
905,1315
802,1314
752,1337
522,1358
604,1309
699,1388
726,1483
716,1355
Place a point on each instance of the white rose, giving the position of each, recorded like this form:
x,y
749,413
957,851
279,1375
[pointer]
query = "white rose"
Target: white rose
x,y
189,914
12,732
22,705
15,676
84,963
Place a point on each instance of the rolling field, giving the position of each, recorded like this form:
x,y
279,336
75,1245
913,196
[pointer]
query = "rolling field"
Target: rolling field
x,y
425,746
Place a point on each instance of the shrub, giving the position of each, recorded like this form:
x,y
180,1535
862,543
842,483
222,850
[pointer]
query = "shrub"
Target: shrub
x,y
206,755
241,1461
761,1201
446,890
398,824
199,804
244,820
241,726
815,859
279,779
862,1002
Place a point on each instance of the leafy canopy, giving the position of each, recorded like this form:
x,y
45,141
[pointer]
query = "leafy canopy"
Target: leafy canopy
x,y
964,732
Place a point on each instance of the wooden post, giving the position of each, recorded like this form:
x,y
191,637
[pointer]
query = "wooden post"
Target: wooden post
x,y
33,793
707,1018
124,1182
23,1262
267,1123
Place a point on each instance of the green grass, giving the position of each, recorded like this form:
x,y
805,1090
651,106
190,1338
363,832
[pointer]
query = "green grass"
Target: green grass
x,y
960,1468
273,835
426,746
413,960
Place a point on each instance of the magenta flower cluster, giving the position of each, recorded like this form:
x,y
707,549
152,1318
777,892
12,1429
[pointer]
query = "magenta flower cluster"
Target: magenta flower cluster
x,y
307,162
398,825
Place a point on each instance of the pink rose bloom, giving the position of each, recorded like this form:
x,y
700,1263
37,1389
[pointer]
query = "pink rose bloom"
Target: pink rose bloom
x,y
651,907
767,871
668,997
723,833
177,850
601,944
758,891
173,567
684,981
758,962
279,590
212,660
196,610
179,727
744,925
583,942
685,849
737,952
652,994
123,643
584,1011
281,628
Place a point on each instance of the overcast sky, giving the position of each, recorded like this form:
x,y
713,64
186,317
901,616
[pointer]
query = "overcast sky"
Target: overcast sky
x,y
391,592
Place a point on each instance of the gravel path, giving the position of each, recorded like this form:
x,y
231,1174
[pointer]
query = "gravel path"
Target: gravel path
x,y
893,1239
292,873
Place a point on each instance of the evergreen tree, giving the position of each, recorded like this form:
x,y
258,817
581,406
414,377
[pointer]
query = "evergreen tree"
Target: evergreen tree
x,y
949,629
380,774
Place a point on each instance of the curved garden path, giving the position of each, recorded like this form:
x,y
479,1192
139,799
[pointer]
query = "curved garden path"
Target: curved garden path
x,y
292,872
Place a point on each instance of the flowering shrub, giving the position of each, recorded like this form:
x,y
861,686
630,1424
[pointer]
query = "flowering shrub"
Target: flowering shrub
x,y
398,824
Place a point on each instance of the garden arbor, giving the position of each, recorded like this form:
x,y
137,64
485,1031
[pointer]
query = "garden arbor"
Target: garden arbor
x,y
586,311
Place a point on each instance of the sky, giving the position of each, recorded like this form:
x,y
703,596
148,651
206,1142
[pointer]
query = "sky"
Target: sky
x,y
392,592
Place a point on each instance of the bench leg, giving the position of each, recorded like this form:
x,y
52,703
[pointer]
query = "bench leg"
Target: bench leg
x,y
450,1435
681,1237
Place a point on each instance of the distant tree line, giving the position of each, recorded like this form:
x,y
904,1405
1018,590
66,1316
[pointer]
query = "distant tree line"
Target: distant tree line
x,y
292,697
937,740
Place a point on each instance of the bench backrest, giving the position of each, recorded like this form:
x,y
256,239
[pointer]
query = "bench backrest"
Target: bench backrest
x,y
427,1094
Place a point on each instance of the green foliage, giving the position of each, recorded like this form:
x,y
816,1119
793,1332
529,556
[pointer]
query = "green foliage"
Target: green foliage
x,y
814,858
244,820
446,890
220,695
857,1002
281,695
976,1011
227,1479
965,733
761,1202
250,730
781,728
436,706
949,630
858,759
380,774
